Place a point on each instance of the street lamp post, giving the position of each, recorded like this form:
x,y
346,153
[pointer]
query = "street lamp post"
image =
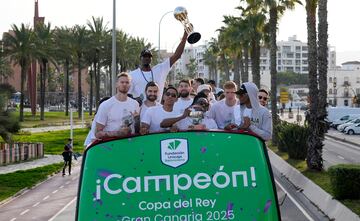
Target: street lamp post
x,y
113,65
159,29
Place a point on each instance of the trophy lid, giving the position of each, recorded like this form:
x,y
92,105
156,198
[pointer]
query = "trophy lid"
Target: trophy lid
x,y
180,12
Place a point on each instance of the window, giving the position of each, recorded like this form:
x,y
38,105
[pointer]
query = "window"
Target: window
x,y
290,55
335,79
330,79
298,48
330,91
304,48
357,90
298,55
358,80
346,103
335,91
304,55
286,48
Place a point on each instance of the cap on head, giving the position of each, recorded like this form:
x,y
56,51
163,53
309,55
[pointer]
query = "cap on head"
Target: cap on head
x,y
203,87
146,52
242,90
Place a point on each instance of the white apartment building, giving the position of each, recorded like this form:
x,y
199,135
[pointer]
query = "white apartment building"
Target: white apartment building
x,y
193,52
344,84
292,55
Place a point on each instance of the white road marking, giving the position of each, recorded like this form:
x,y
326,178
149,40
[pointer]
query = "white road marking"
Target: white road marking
x,y
61,187
55,191
46,197
67,182
25,211
341,157
13,219
296,203
36,204
64,208
74,178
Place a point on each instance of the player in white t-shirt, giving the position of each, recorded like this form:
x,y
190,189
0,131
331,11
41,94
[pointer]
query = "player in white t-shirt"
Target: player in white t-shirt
x,y
223,111
151,92
151,122
184,100
158,73
116,116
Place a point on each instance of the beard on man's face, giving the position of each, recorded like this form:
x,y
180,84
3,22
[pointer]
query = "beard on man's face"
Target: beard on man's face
x,y
123,90
184,93
151,97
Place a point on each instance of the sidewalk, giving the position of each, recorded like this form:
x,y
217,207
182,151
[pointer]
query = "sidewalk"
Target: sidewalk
x,y
53,128
47,160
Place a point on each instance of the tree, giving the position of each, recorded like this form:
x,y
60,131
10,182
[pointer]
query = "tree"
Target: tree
x,y
44,42
19,46
210,57
192,68
314,153
98,32
79,46
322,65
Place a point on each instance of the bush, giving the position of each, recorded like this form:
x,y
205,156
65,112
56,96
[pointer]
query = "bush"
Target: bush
x,y
280,141
293,137
345,181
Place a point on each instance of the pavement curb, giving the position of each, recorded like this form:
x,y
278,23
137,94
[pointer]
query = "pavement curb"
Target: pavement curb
x,y
342,139
324,201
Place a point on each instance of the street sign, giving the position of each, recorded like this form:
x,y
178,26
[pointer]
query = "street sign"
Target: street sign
x,y
178,176
284,97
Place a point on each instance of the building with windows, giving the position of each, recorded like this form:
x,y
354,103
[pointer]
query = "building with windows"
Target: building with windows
x,y
292,56
344,84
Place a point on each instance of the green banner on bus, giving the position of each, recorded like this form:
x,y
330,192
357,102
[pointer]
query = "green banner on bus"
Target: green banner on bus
x,y
186,176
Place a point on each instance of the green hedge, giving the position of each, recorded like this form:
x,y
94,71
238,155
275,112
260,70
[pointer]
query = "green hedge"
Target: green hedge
x,y
293,138
280,141
345,181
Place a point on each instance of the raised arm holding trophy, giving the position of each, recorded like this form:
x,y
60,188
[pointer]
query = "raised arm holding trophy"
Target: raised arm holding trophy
x,y
180,14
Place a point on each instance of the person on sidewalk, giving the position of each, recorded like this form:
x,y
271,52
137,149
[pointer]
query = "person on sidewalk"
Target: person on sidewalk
x,y
67,155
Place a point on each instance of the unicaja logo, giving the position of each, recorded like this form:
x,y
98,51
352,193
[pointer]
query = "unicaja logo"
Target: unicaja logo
x,y
174,152
174,145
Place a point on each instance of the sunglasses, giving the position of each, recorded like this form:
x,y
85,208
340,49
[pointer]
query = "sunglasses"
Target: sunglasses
x,y
168,94
263,98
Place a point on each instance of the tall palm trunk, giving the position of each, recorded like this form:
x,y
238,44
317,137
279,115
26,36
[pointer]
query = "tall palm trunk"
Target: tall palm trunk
x,y
97,85
246,61
273,24
237,70
241,66
314,153
322,64
79,88
42,88
226,67
255,61
22,86
67,89
91,90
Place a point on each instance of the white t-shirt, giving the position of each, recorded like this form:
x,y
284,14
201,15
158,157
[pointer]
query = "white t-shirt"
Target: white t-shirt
x,y
114,114
237,115
208,122
143,109
222,113
91,135
154,116
139,79
181,105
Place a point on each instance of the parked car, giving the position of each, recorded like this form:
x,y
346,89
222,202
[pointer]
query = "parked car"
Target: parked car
x,y
342,127
343,119
353,129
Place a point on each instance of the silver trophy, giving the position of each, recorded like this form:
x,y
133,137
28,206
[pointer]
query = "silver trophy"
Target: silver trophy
x,y
196,116
180,14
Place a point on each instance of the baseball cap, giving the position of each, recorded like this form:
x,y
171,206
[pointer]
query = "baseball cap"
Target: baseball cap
x,y
203,87
242,90
145,52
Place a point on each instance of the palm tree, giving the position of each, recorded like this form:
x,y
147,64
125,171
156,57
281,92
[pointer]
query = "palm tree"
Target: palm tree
x,y
314,153
44,42
80,35
322,64
19,46
5,67
275,8
98,32
63,39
